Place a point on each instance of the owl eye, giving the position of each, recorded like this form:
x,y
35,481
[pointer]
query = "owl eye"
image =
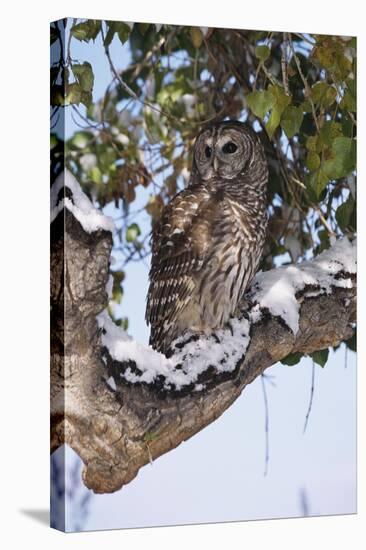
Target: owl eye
x,y
208,151
229,148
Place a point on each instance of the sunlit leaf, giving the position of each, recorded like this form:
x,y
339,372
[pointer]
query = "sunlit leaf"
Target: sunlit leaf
x,y
81,139
88,30
343,160
260,102
323,94
280,102
84,75
291,120
73,94
96,175
312,161
262,52
133,231
196,36
346,214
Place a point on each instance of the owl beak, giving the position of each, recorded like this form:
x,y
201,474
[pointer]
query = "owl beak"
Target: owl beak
x,y
216,164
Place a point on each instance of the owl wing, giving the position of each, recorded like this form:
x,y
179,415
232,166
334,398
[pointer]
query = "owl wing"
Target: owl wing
x,y
180,244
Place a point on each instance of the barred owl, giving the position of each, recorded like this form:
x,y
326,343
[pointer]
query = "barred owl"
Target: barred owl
x,y
207,245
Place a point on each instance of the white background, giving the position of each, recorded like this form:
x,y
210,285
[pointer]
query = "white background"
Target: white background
x,y
25,279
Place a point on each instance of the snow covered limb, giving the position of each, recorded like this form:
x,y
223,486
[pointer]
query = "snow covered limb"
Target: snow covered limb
x,y
119,404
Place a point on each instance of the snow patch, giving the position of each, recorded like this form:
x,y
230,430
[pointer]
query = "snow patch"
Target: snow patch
x,y
273,290
276,290
221,353
80,206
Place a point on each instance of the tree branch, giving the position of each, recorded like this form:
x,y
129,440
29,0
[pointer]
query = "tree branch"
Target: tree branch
x,y
103,403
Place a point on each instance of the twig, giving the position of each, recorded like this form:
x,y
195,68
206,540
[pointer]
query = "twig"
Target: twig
x,y
345,356
68,56
54,124
128,90
311,398
323,220
284,64
304,503
62,59
305,82
304,38
86,120
266,425
300,183
273,80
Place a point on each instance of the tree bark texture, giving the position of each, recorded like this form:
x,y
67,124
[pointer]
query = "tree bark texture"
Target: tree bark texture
x,y
117,432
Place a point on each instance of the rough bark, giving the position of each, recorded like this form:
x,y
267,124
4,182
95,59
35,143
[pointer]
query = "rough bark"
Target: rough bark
x,y
116,433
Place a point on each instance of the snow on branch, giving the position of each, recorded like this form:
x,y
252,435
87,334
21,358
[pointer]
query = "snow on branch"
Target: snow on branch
x,y
118,403
278,290
278,293
67,193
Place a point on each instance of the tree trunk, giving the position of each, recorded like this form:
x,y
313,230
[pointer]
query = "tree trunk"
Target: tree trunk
x,y
117,432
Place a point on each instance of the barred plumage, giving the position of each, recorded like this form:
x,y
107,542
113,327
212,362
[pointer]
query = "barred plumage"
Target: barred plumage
x,y
207,246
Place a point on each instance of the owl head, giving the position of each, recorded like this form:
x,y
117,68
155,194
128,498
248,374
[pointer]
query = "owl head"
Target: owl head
x,y
226,150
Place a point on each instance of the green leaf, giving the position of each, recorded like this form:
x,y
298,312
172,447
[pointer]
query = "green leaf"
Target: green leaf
x,y
87,98
311,143
328,132
343,158
311,186
94,28
292,359
196,36
123,31
133,231
291,120
346,214
260,102
117,294
280,98
88,30
84,75
123,323
143,28
57,95
321,182
306,106
348,102
81,139
118,276
110,34
280,102
320,357
324,240
73,94
262,52
312,161
352,342
80,31
273,121
117,290
323,94
96,175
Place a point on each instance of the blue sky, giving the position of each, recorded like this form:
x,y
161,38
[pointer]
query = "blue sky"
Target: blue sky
x,y
218,474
